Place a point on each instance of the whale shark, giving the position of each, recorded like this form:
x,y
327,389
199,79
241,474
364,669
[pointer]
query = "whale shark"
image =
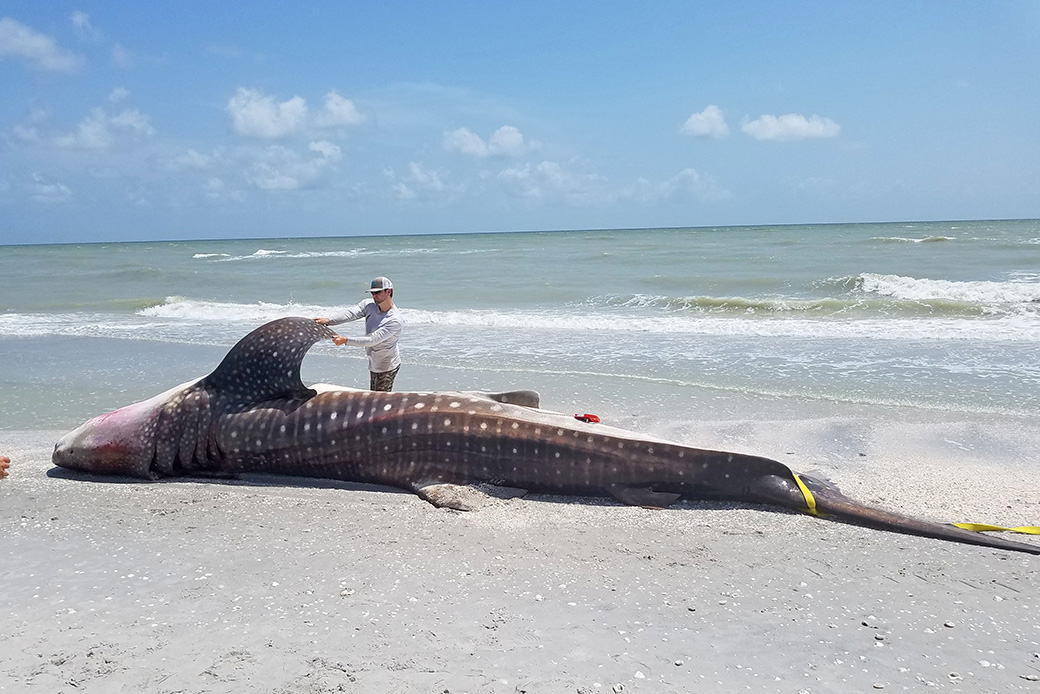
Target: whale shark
x,y
254,414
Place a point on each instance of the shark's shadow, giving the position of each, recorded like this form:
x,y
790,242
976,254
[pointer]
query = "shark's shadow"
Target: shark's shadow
x,y
250,479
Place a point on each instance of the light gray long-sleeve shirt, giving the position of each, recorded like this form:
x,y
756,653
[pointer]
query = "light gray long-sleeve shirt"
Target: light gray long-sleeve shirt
x,y
381,333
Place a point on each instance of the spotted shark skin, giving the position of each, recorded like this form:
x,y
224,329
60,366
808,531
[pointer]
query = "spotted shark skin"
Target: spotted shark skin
x,y
254,414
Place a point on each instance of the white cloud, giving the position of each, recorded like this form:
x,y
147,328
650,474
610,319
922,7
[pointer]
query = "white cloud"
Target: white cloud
x,y
684,185
708,123
81,20
462,140
551,179
190,160
258,115
267,177
216,189
792,126
506,141
121,57
42,190
91,133
337,111
99,130
326,149
39,50
421,182
29,129
705,188
509,141
280,168
134,122
270,168
427,178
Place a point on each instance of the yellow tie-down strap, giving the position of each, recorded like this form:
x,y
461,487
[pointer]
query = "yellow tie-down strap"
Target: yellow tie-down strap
x,y
810,500
982,527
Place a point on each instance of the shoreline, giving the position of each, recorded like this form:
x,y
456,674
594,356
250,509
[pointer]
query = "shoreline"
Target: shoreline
x,y
61,380
283,584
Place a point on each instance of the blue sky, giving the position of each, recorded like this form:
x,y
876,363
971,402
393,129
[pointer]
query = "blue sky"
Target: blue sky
x,y
138,121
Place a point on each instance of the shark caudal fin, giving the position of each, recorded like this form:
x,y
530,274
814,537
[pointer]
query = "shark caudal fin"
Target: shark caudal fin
x,y
825,500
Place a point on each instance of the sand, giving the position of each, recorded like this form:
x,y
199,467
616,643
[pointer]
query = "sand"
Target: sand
x,y
269,584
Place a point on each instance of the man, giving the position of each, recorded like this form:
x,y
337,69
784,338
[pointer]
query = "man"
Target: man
x,y
382,329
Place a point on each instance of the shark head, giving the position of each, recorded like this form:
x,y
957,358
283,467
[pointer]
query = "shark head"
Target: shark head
x,y
121,442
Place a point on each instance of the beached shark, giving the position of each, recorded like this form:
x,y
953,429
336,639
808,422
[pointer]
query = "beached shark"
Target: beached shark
x,y
254,414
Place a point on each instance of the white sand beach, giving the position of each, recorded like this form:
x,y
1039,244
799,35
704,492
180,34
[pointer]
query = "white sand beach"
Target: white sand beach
x,y
292,585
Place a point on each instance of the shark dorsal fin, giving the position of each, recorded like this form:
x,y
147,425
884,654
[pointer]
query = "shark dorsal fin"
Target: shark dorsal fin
x,y
265,364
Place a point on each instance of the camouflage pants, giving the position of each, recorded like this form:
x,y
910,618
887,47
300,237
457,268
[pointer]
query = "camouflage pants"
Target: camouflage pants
x,y
382,381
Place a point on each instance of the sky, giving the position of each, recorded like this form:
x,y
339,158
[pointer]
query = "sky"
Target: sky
x,y
128,120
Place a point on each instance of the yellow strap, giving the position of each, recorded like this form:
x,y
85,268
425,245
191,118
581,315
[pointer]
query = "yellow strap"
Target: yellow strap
x,y
982,527
810,500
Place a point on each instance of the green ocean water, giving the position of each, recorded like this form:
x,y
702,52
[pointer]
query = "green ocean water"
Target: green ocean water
x,y
938,315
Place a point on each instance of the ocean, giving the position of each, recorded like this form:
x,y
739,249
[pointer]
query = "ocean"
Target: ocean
x,y
660,324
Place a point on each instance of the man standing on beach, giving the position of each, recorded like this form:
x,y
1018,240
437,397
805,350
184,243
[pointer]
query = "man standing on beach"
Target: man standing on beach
x,y
382,329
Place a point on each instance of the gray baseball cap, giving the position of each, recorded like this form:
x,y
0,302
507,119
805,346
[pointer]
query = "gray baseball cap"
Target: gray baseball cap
x,y
381,283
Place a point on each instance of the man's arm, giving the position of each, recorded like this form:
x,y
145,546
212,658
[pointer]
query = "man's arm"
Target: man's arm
x,y
352,313
390,329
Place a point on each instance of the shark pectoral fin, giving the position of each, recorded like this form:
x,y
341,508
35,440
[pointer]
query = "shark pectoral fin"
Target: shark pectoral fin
x,y
464,497
444,495
523,398
635,496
